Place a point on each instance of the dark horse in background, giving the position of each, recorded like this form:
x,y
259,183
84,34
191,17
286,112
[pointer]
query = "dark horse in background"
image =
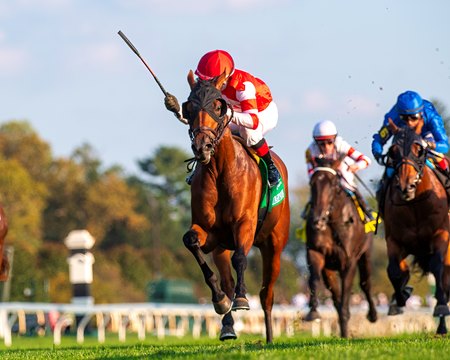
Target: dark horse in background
x,y
336,245
225,196
416,221
4,263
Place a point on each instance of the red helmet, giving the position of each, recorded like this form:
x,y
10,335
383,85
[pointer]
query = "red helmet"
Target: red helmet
x,y
213,64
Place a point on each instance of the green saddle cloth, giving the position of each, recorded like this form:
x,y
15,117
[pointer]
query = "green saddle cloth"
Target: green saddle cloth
x,y
270,196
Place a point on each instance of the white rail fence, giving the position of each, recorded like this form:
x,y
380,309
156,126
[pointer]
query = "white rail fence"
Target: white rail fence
x,y
162,320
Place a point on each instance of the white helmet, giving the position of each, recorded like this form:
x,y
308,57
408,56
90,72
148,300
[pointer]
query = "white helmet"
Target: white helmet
x,y
324,130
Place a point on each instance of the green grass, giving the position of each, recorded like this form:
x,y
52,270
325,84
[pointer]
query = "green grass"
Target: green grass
x,y
418,346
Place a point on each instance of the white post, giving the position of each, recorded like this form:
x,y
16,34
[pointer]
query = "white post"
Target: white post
x,y
80,269
80,265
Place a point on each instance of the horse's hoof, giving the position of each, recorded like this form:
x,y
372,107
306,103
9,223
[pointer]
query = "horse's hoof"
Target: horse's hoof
x,y
227,333
312,315
441,310
442,328
240,303
223,306
394,310
372,316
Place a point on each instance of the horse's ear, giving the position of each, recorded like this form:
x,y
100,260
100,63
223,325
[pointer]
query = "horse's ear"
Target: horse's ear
x,y
191,79
394,128
221,79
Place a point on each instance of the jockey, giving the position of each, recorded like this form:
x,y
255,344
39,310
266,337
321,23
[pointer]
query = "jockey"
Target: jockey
x,y
327,144
254,111
410,110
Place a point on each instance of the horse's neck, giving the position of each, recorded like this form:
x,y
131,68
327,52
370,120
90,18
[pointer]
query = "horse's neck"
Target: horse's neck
x,y
429,181
339,202
227,155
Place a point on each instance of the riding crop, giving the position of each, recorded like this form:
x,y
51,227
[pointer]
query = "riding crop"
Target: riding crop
x,y
122,35
132,47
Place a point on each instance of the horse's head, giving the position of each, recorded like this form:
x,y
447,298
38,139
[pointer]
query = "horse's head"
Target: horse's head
x,y
205,111
408,155
324,184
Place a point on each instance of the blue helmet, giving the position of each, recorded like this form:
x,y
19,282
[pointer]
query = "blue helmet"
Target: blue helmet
x,y
409,103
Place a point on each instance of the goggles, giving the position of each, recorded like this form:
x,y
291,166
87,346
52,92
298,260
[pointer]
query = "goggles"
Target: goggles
x,y
412,117
325,142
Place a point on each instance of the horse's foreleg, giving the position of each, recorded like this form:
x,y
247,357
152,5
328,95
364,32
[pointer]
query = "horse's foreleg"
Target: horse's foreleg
x,y
227,332
222,304
239,261
399,277
365,269
398,274
347,277
316,263
222,260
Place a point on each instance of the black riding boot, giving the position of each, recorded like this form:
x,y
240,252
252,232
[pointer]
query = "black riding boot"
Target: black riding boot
x,y
262,150
364,206
273,173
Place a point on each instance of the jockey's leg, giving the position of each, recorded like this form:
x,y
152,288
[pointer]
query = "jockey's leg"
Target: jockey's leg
x,y
262,150
364,206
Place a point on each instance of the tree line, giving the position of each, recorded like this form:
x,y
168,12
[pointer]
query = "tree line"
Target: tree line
x,y
137,220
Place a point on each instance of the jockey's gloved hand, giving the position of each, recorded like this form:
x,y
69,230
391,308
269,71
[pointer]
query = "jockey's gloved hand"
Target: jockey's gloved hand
x,y
379,159
171,103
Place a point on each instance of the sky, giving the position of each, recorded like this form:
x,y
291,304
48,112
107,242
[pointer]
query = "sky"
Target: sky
x,y
65,70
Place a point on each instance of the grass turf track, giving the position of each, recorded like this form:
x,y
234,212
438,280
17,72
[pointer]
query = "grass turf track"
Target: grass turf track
x,y
417,346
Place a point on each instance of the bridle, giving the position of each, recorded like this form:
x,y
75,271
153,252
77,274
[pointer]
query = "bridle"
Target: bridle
x,y
403,142
203,97
324,217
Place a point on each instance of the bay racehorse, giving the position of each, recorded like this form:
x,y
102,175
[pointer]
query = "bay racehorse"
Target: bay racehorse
x,y
4,263
225,196
336,244
416,221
